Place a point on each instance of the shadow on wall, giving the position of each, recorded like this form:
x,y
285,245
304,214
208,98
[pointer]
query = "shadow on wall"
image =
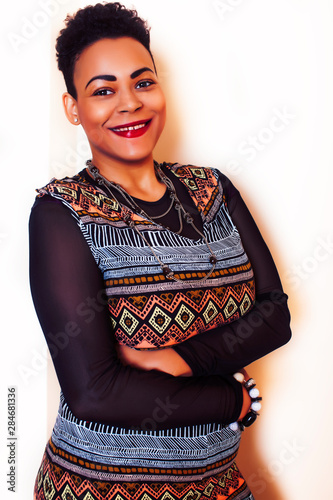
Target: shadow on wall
x,y
262,481
262,484
168,144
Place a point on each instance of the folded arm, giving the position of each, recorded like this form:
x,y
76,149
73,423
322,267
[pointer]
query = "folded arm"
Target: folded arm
x,y
68,292
265,328
226,349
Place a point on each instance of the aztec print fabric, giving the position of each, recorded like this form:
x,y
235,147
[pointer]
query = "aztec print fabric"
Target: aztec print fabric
x,y
94,462
147,310
56,483
85,460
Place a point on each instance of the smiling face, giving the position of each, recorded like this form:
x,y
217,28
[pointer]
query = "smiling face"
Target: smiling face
x,y
119,103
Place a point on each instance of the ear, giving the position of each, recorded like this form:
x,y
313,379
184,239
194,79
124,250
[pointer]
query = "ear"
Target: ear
x,y
70,107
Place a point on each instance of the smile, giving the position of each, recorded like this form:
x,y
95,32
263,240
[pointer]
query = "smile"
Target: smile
x,y
132,130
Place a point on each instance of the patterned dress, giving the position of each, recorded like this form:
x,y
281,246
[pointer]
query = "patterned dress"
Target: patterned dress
x,y
92,460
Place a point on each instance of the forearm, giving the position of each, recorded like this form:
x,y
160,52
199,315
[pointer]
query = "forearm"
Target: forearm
x,y
67,288
266,327
164,360
227,349
223,350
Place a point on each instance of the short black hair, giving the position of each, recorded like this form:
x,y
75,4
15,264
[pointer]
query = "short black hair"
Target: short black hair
x,y
93,23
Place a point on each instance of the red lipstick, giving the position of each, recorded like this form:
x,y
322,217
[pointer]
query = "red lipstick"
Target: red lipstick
x,y
132,130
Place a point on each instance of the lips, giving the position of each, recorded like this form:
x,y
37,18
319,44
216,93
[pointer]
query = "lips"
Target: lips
x,y
132,130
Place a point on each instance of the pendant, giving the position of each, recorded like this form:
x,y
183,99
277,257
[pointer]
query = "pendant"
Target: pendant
x,y
167,272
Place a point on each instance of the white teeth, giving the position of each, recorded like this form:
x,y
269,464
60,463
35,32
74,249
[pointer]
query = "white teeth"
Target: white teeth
x,y
125,129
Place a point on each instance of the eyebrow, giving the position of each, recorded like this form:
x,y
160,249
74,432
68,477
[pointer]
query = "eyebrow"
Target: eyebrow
x,y
112,78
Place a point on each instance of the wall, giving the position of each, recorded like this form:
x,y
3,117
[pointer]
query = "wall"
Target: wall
x,y
249,91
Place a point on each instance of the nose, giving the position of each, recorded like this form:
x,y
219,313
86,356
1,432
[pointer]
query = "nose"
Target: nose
x,y
129,101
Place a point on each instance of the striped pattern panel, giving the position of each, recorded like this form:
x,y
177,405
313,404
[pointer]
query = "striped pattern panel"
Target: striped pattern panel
x,y
147,310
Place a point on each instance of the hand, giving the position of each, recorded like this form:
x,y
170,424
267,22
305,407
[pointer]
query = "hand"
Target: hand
x,y
135,358
164,360
246,397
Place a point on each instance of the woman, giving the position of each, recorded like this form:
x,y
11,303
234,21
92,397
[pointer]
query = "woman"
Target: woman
x,y
145,291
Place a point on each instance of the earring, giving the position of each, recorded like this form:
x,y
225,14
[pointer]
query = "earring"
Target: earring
x,y
75,120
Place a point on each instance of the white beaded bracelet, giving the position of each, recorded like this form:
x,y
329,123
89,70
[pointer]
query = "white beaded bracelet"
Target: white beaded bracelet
x,y
253,392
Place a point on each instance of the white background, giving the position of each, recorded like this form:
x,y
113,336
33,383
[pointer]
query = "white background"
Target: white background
x,y
228,68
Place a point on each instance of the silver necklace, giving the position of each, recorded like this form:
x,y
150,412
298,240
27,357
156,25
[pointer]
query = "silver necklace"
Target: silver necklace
x,y
127,214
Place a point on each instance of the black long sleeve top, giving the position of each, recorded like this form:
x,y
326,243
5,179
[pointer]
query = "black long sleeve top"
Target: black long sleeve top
x,y
67,288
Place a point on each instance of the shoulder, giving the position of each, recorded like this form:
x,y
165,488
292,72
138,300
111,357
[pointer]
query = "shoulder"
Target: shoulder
x,y
75,192
66,184
192,171
196,177
48,210
197,172
51,202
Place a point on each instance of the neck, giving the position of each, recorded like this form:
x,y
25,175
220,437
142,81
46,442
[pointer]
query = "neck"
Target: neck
x,y
138,179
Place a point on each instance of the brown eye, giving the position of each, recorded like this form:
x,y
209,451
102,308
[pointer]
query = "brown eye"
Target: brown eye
x,y
144,84
103,92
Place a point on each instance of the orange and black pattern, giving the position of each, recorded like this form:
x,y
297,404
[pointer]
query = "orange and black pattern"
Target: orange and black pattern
x,y
148,310
56,482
